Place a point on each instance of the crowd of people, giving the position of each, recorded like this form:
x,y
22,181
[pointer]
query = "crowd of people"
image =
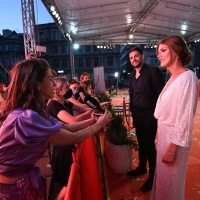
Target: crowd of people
x,y
38,107
37,110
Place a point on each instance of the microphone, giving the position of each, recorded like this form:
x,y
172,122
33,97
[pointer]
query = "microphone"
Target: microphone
x,y
93,103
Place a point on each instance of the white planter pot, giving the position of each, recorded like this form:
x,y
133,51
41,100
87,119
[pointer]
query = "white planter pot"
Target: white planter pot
x,y
119,157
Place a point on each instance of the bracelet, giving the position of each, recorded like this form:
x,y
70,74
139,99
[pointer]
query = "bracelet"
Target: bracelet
x,y
92,130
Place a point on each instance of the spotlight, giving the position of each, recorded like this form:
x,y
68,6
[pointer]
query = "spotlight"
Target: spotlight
x,y
76,46
131,36
52,8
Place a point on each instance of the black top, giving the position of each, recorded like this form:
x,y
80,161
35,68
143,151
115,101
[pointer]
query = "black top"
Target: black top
x,y
54,107
139,97
145,90
77,95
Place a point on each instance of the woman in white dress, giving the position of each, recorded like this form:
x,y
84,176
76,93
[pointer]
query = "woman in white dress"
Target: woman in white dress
x,y
175,110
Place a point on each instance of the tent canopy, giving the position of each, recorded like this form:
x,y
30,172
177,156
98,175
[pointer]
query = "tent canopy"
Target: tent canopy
x,y
102,22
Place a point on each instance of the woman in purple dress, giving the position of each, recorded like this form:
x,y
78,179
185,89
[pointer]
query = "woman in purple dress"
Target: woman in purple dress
x,y
26,128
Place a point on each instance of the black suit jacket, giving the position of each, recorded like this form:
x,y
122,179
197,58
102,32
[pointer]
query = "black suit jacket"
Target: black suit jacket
x,y
152,85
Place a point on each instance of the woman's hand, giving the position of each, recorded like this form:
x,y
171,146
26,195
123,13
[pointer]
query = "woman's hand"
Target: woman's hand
x,y
104,104
168,157
105,118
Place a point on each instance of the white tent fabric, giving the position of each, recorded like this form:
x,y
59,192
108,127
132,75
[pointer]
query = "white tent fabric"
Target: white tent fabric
x,y
112,21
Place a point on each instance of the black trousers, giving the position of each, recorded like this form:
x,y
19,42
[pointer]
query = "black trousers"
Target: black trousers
x,y
146,128
61,166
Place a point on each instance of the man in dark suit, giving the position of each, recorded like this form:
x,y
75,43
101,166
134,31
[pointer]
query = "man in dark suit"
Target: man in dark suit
x,y
145,84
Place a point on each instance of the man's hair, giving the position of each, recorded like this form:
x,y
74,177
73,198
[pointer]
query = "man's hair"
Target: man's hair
x,y
23,88
135,48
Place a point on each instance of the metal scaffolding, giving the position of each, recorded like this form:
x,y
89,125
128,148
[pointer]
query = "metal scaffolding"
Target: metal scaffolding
x,y
28,20
72,60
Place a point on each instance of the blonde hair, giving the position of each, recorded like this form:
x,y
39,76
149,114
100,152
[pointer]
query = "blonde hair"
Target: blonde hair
x,y
60,82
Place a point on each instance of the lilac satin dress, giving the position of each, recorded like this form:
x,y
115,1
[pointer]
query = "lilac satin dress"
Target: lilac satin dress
x,y
23,138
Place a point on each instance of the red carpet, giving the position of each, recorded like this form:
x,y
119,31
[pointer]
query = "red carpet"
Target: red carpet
x,y
121,187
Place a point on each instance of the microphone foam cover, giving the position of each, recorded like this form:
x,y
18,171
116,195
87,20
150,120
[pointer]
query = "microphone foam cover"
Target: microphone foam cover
x,y
93,103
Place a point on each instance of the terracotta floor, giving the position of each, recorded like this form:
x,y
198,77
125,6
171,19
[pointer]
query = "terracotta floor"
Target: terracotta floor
x,y
122,187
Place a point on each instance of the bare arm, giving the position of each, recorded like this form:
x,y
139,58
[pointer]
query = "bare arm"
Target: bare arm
x,y
69,119
65,137
82,96
77,103
81,109
79,125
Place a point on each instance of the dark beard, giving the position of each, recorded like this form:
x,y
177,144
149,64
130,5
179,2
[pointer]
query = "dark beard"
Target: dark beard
x,y
139,65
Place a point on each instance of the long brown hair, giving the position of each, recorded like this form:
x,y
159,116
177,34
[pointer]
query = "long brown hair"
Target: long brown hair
x,y
23,88
179,46
2,92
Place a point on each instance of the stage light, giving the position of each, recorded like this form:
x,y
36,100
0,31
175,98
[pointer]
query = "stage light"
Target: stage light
x,y
76,46
131,36
52,8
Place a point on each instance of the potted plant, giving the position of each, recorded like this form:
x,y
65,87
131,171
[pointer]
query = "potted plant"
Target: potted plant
x,y
118,146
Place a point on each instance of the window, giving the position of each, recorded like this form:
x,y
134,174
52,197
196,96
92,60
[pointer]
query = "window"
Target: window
x,y
87,48
15,47
64,63
56,63
80,62
87,62
55,49
96,61
110,61
41,36
80,49
62,36
95,48
6,47
53,35
63,49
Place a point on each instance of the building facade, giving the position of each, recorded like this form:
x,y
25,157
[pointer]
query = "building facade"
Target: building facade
x,y
86,57
11,52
